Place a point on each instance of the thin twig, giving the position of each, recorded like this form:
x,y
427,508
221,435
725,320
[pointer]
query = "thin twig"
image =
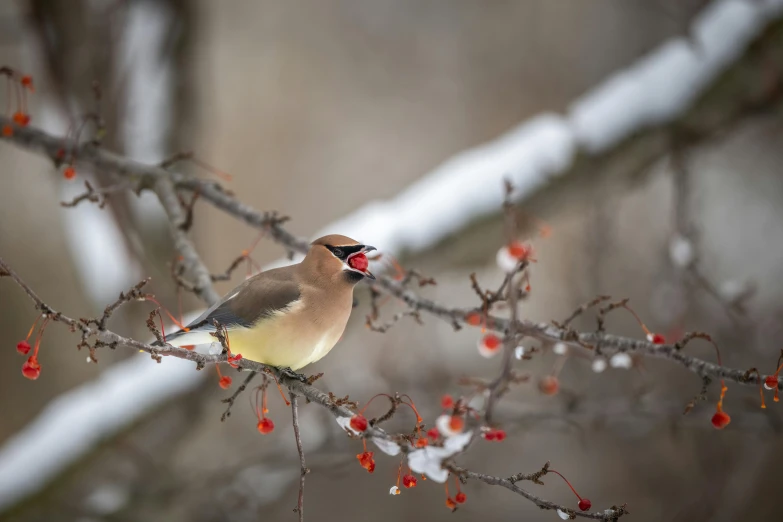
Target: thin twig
x,y
303,470
233,398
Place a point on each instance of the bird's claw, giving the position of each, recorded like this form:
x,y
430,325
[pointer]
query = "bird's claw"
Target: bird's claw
x,y
288,372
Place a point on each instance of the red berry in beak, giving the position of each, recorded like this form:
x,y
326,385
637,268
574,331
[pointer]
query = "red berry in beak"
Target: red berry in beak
x,y
23,347
585,504
359,262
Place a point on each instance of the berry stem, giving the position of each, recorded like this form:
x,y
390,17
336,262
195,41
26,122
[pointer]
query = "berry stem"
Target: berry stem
x,y
39,336
638,319
30,331
361,412
566,481
169,314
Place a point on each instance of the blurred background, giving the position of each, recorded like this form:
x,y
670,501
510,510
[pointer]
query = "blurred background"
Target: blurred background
x,y
316,108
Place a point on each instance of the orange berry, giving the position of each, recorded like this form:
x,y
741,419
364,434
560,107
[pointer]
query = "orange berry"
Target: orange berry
x,y
473,319
69,173
8,130
21,118
27,81
549,385
456,423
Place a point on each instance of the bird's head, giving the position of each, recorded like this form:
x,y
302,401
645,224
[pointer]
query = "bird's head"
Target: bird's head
x,y
341,257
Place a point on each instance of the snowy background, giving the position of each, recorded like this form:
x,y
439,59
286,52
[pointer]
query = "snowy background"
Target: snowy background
x,y
398,125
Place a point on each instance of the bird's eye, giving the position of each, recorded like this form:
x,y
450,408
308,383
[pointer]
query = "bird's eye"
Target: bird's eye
x,y
338,252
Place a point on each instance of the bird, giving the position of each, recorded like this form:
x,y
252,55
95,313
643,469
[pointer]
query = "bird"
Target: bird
x,y
288,317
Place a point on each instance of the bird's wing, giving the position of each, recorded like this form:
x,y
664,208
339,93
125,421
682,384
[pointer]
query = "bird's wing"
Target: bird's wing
x,y
259,297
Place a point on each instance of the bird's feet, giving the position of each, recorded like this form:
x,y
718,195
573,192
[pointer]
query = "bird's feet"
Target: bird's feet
x,y
288,372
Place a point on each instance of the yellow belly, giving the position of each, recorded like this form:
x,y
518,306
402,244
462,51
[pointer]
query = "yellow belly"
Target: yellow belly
x,y
278,342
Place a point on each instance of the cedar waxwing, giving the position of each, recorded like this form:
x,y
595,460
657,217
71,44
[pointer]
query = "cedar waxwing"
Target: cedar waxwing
x,y
292,316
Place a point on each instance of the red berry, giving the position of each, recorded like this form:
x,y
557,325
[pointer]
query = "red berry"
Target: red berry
x,y
500,435
549,385
489,344
233,360
69,173
409,481
456,423
473,319
519,250
460,497
359,422
720,420
225,382
366,460
446,402
31,369
433,433
490,435
656,338
491,341
23,347
27,81
585,504
421,442
359,262
770,383
265,426
21,118
60,154
8,130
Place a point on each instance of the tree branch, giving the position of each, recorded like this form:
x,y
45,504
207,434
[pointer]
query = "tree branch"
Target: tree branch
x,y
88,154
295,387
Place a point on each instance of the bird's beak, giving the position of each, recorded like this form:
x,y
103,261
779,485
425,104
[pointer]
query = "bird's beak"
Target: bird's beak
x,y
363,249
